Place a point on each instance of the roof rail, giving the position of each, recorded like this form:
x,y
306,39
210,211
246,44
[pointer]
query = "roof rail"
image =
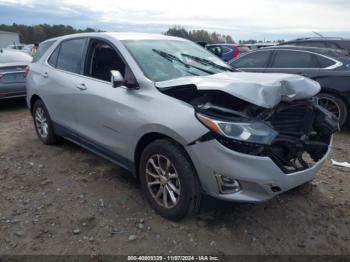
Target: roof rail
x,y
317,38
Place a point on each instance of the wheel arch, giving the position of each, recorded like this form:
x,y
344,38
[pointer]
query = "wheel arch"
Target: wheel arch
x,y
33,99
147,139
338,95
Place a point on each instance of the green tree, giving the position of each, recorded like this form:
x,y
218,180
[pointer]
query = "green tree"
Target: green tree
x,y
39,33
199,35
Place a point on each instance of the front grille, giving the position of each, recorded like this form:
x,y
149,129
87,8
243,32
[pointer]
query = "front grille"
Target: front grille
x,y
294,118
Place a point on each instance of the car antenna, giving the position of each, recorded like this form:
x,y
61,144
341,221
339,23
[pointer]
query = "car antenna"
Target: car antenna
x,y
318,34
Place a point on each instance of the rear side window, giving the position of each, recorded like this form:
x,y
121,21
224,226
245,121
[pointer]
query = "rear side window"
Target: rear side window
x,y
324,62
257,59
294,59
70,55
42,49
53,58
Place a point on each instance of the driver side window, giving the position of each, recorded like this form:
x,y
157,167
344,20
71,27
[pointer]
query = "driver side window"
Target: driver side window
x,y
101,59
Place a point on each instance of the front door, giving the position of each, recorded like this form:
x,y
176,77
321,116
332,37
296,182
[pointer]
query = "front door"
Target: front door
x,y
103,111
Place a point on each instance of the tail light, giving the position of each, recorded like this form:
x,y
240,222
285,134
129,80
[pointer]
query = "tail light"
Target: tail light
x,y
236,53
26,71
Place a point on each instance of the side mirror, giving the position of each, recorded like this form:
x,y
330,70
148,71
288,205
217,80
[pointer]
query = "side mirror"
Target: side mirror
x,y
117,79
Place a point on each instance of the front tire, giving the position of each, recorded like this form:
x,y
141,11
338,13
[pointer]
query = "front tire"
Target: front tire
x,y
335,105
169,180
43,124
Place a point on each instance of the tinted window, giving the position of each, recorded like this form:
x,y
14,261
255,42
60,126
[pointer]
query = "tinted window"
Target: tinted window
x,y
70,55
42,49
324,62
257,59
294,59
53,58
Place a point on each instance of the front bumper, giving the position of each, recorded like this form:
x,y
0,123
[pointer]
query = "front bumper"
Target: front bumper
x,y
257,175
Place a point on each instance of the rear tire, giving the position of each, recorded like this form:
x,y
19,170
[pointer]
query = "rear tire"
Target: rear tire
x,y
165,169
335,105
43,124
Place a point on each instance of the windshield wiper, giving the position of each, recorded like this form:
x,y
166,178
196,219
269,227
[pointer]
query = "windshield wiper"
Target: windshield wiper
x,y
207,62
171,58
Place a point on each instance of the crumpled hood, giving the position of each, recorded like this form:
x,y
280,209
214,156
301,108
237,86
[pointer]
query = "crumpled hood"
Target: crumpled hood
x,y
265,90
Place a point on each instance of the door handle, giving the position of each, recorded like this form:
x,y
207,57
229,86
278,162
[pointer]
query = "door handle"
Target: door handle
x,y
81,87
45,75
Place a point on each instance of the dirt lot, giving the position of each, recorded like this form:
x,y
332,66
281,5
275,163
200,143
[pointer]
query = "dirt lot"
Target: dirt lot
x,y
65,200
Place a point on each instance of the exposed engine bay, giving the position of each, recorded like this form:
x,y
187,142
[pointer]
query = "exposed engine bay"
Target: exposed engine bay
x,y
294,134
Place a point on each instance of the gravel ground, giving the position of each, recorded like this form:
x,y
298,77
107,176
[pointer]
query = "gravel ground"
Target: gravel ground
x,y
64,200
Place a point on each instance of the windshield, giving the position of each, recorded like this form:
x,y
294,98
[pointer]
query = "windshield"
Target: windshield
x,y
162,60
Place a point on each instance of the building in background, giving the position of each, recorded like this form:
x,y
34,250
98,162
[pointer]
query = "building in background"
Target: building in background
x,y
8,38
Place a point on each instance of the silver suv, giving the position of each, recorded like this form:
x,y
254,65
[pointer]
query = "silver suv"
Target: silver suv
x,y
178,118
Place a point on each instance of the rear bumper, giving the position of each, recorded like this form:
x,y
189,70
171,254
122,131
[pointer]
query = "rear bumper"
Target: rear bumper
x,y
256,175
12,90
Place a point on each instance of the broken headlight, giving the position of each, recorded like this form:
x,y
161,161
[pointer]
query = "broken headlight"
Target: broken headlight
x,y
254,132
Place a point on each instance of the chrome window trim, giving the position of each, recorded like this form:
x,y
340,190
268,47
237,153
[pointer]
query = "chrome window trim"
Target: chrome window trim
x,y
334,66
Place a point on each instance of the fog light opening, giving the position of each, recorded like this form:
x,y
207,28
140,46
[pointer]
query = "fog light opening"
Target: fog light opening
x,y
227,185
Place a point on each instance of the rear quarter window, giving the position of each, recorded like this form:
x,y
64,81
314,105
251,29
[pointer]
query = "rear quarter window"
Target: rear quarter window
x,y
324,62
53,58
42,49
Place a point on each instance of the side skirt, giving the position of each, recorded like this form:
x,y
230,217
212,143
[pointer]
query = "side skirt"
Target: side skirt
x,y
94,148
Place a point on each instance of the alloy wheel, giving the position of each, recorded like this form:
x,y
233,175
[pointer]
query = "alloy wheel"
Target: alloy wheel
x,y
162,181
41,122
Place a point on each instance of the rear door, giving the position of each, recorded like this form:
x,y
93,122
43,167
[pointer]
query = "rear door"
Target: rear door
x,y
61,76
294,62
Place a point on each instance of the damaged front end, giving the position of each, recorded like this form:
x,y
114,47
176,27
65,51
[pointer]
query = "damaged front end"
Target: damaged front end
x,y
294,134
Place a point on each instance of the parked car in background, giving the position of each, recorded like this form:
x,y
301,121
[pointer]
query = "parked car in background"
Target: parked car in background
x,y
28,49
179,118
227,51
329,67
12,73
16,47
260,45
322,42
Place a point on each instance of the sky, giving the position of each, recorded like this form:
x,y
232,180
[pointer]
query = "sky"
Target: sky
x,y
249,19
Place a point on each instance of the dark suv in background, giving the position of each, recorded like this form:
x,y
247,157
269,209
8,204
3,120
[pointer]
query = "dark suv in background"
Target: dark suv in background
x,y
323,42
329,67
227,51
